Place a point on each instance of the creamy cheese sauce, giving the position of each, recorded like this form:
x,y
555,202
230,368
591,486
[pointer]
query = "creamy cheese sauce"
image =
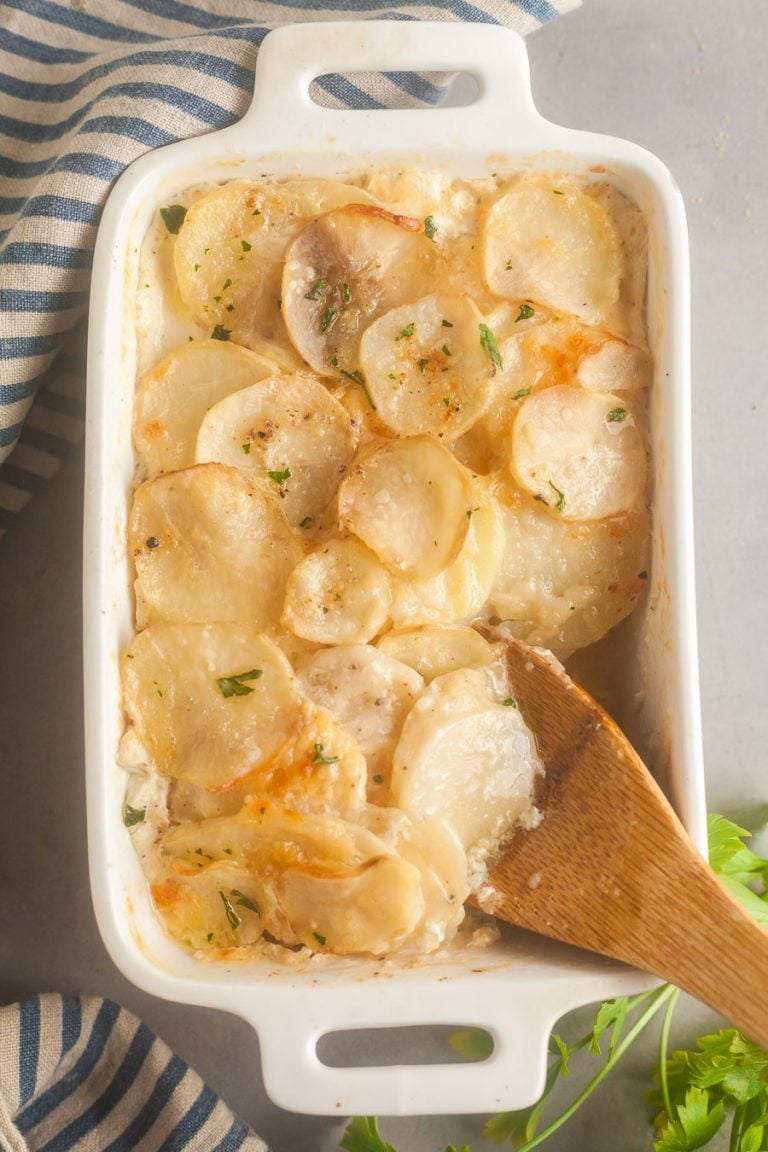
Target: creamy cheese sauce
x,y
368,415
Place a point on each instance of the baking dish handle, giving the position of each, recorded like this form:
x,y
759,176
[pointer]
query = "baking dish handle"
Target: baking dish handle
x,y
511,1077
283,117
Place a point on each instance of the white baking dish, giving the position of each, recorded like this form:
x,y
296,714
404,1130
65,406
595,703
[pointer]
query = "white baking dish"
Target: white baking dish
x,y
516,990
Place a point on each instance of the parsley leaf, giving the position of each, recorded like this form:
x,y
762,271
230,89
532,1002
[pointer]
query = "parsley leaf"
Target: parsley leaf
x,y
560,505
235,686
357,378
316,291
404,333
133,816
321,758
488,341
245,901
221,333
362,1135
430,228
695,1125
525,313
280,477
173,217
320,939
233,919
616,415
330,317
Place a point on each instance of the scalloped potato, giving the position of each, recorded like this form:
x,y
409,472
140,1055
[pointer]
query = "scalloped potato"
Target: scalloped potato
x,y
411,414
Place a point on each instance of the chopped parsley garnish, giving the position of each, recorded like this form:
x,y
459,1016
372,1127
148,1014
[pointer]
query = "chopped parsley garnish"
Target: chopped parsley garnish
x,y
557,192
334,361
227,284
230,307
133,816
329,319
525,313
245,901
357,378
321,758
446,350
316,291
307,522
209,937
235,685
447,324
430,228
246,247
256,212
221,333
510,702
320,939
233,919
508,266
423,363
173,217
280,477
560,506
447,401
346,295
406,332
616,415
488,341
520,393
246,446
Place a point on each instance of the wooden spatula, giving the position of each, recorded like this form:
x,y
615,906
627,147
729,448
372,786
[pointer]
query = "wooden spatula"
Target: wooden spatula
x,y
610,867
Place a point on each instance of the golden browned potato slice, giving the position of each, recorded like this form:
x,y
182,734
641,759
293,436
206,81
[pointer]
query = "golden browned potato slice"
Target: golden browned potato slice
x,y
615,367
563,584
467,756
229,251
288,430
173,398
549,242
435,849
208,703
369,693
322,769
208,906
344,270
409,501
330,884
460,590
581,453
426,368
433,651
339,594
210,545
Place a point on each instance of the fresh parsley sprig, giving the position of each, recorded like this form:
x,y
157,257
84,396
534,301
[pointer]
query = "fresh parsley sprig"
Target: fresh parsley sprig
x,y
695,1090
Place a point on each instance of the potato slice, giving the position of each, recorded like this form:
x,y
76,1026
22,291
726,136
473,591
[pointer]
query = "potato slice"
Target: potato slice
x,y
229,251
221,906
435,849
467,757
409,501
339,594
369,693
328,883
322,769
549,242
344,270
209,703
425,367
582,453
433,651
209,545
563,584
287,429
460,590
173,398
615,367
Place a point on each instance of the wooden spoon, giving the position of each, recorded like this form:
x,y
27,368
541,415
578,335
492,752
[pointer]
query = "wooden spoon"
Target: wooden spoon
x,y
610,867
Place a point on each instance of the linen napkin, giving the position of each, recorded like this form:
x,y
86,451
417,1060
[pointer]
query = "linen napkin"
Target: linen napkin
x,y
84,1075
87,86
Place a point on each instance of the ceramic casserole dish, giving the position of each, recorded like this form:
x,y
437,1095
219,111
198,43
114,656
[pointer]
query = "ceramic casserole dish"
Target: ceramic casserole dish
x,y
518,988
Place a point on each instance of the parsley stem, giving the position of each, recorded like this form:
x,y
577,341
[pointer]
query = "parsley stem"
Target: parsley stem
x,y
664,1052
657,1000
737,1128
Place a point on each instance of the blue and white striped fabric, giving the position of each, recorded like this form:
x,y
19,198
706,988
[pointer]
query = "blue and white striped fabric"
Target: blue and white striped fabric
x,y
86,86
84,1075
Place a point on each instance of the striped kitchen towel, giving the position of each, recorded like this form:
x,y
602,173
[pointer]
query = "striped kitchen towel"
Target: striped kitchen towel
x,y
84,1075
87,86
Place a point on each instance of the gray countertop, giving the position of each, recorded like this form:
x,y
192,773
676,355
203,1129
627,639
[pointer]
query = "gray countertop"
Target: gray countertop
x,y
687,79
